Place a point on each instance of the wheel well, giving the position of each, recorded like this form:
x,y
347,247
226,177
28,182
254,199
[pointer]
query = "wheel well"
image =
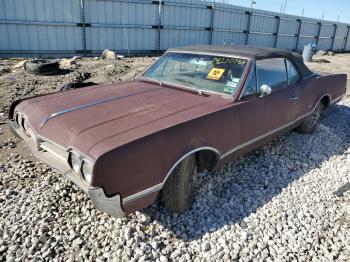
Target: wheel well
x,y
206,160
325,101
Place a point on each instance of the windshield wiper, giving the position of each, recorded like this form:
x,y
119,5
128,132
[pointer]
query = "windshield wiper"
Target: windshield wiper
x,y
190,83
154,78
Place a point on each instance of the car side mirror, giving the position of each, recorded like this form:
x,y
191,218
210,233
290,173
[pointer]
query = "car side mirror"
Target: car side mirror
x,y
265,90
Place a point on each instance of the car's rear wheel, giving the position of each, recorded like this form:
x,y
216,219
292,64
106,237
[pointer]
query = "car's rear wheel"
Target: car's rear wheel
x,y
309,123
179,190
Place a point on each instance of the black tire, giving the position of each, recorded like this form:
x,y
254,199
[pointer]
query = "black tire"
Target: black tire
x,y
309,123
42,67
70,86
179,190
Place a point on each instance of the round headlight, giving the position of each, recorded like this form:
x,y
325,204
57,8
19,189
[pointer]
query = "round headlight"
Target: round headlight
x,y
75,162
87,171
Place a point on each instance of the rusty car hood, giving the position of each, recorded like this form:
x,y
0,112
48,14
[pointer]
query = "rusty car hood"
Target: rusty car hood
x,y
96,119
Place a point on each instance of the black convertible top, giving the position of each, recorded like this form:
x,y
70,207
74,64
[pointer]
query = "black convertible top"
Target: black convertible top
x,y
248,51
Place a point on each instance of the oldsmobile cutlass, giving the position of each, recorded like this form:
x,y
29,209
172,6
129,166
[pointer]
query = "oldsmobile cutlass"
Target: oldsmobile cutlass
x,y
196,108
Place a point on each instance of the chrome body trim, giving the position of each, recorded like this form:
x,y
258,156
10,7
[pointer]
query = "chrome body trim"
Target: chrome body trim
x,y
159,186
337,99
313,74
249,142
227,153
36,135
96,102
252,70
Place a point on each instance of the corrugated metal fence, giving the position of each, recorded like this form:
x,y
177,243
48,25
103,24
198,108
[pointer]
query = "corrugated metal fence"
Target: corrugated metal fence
x,y
70,27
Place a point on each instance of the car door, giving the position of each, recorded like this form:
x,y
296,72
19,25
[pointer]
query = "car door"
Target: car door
x,y
263,115
294,82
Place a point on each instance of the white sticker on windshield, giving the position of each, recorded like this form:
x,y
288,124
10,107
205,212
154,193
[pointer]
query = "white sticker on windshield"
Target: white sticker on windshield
x,y
199,62
235,79
230,87
231,84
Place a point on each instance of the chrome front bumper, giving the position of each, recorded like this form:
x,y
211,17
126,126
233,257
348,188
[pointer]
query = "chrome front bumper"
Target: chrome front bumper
x,y
56,157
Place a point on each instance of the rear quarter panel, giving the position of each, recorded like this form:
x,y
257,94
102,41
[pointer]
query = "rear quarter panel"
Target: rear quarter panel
x,y
316,86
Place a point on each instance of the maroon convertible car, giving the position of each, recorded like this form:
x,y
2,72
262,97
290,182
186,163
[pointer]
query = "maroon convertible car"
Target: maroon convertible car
x,y
196,108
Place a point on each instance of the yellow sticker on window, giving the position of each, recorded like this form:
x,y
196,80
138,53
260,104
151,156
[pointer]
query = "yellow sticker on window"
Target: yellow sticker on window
x,y
215,73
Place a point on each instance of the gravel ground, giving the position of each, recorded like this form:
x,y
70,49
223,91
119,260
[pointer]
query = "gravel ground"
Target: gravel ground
x,y
288,201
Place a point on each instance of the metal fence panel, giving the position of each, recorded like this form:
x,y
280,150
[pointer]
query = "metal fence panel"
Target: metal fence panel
x,y
228,38
121,13
327,30
41,26
309,28
266,24
324,43
186,16
132,39
341,31
287,42
338,44
261,40
226,19
347,47
121,25
66,11
288,26
176,37
40,38
65,27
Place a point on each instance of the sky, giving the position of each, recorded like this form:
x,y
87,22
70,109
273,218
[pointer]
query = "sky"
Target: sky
x,y
312,8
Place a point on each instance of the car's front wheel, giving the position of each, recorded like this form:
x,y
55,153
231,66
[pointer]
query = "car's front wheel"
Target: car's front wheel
x,y
179,190
309,123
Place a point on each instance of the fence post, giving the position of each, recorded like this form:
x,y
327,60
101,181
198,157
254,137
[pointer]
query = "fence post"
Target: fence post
x,y
277,30
211,28
318,32
298,34
160,21
249,13
346,38
82,24
333,37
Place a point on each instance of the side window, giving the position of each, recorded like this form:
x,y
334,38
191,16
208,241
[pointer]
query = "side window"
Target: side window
x,y
293,75
271,72
250,86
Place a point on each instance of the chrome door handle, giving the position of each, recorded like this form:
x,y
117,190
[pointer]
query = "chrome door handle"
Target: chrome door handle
x,y
294,99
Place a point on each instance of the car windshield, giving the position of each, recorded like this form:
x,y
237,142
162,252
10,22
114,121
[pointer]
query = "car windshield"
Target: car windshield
x,y
216,74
